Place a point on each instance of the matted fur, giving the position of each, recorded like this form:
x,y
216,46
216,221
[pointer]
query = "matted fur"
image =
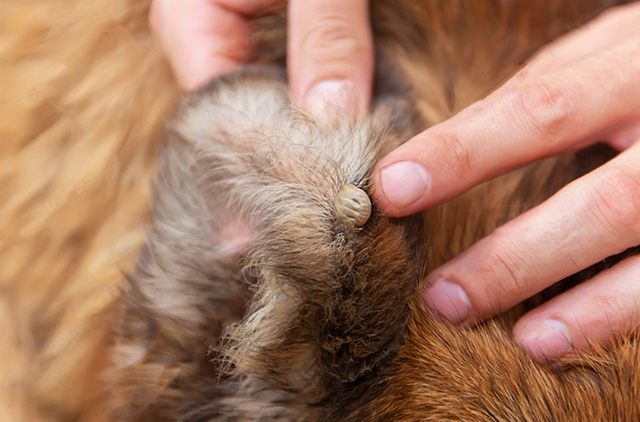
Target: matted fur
x,y
84,92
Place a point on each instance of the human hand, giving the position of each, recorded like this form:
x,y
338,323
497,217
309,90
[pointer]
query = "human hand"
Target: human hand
x,y
581,89
329,45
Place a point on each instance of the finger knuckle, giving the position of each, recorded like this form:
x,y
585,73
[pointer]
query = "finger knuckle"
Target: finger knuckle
x,y
459,154
615,199
621,63
550,109
333,36
505,266
612,301
629,59
521,75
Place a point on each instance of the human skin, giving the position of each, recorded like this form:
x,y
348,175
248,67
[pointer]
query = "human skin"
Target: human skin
x,y
579,90
329,45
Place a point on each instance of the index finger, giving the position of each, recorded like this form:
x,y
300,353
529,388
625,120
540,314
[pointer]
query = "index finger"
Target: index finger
x,y
521,122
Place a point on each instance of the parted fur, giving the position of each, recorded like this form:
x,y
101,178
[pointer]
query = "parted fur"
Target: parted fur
x,y
242,163
249,300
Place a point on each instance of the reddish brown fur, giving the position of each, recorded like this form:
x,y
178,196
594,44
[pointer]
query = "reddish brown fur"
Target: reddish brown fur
x,y
81,106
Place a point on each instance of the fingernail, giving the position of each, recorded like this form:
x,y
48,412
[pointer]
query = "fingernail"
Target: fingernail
x,y
404,183
448,301
332,96
546,340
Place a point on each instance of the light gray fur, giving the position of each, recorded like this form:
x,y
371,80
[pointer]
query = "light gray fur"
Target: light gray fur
x,y
239,154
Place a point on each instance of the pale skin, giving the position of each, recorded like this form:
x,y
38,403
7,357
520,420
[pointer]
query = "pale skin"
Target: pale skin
x,y
581,89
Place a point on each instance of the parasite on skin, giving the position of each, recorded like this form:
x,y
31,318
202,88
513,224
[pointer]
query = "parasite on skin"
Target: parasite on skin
x,y
352,205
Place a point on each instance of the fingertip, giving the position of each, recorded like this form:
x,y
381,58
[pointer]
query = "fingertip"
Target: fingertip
x,y
378,197
333,96
427,170
446,300
545,339
404,185
592,314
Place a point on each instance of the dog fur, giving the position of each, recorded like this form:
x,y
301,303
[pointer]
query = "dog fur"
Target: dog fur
x,y
86,89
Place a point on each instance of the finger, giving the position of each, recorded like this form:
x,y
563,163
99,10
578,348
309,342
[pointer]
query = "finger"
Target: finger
x,y
330,54
594,312
589,220
609,27
519,123
205,38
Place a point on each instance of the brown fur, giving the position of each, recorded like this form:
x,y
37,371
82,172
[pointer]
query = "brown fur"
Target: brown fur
x,y
81,105
323,311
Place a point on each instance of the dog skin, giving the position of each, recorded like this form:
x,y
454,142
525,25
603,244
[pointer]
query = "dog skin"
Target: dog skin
x,y
250,299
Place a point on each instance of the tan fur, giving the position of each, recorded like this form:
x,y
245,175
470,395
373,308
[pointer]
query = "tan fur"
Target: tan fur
x,y
84,91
